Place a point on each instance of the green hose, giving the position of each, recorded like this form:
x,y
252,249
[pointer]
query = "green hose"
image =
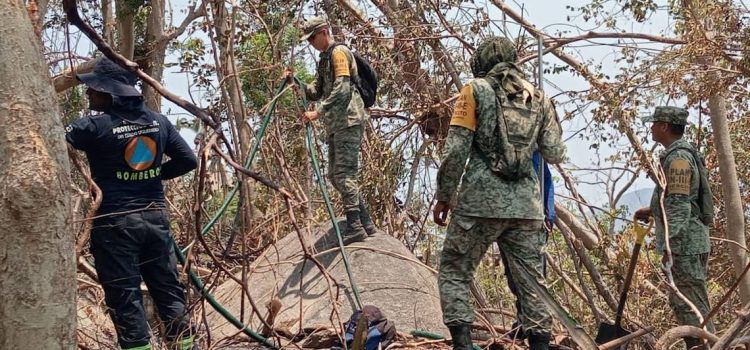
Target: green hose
x,y
426,335
327,199
248,162
197,282
435,336
218,307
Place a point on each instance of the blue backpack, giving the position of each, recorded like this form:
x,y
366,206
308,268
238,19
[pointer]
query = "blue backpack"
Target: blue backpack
x,y
380,331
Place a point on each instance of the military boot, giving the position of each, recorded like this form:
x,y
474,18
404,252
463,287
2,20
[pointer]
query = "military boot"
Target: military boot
x,y
354,230
461,336
539,341
364,217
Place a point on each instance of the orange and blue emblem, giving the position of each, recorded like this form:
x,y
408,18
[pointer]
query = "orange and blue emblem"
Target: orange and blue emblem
x,y
140,153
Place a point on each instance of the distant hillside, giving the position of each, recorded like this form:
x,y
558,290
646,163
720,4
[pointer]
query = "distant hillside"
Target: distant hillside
x,y
632,201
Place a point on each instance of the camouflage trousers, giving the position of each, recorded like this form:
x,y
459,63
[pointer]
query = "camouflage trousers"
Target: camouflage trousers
x,y
690,273
343,164
466,242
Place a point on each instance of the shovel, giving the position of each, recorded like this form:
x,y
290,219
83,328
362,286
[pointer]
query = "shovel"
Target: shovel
x,y
608,332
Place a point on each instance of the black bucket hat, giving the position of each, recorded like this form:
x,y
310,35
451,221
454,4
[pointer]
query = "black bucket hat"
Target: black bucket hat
x,y
109,77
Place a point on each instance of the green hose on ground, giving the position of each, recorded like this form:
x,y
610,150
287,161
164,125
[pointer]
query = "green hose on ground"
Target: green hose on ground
x,y
329,206
197,282
435,336
218,307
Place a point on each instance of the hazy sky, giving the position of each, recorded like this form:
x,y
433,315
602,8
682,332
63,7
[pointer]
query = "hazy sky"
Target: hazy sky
x,y
551,16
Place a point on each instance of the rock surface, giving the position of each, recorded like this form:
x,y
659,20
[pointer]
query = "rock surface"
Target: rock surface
x,y
387,274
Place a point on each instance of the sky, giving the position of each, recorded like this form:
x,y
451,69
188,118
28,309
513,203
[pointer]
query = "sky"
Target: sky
x,y
551,16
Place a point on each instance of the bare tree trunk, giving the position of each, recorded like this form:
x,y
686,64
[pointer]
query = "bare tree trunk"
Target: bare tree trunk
x,y
733,208
227,74
125,29
36,10
589,239
67,79
153,63
37,262
42,5
108,20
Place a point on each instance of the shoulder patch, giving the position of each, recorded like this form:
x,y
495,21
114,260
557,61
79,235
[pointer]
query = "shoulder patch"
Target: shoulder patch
x,y
340,63
679,176
465,112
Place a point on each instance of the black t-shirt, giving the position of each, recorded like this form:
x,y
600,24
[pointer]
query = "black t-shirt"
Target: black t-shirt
x,y
125,149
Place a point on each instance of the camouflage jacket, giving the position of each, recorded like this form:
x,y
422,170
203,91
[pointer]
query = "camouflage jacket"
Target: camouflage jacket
x,y
340,104
483,193
687,233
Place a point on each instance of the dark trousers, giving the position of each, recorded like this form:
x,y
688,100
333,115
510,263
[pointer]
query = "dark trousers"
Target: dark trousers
x,y
126,249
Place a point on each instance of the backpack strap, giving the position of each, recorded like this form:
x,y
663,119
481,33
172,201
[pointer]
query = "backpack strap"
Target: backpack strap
x,y
329,51
497,88
353,78
698,161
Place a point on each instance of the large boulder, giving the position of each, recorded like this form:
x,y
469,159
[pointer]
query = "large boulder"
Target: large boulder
x,y
386,273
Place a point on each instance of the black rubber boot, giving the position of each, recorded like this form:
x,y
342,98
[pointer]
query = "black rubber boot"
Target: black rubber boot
x,y
461,336
354,231
694,343
518,333
539,341
366,220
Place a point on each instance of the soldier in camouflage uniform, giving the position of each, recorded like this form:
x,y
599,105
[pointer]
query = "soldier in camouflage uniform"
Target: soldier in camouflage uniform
x,y
489,207
688,234
344,116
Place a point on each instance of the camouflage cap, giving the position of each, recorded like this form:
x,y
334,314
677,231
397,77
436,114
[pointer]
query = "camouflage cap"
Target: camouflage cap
x,y
490,52
671,115
311,26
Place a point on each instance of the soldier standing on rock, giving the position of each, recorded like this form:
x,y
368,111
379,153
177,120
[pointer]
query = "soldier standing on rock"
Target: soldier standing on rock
x,y
343,113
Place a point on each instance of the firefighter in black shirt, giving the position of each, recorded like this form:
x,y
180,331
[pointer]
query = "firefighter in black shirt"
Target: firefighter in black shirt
x,y
131,239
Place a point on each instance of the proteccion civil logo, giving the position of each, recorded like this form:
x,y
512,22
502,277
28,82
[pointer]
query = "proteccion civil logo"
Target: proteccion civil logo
x,y
140,153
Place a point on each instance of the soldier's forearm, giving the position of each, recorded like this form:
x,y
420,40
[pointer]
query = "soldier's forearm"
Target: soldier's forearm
x,y
550,143
457,147
554,154
550,137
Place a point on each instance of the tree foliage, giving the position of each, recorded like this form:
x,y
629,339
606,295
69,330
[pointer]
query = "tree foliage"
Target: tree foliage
x,y
233,55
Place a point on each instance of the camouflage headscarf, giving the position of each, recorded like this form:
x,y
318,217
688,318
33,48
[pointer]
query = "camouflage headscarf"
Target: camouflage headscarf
x,y
490,52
